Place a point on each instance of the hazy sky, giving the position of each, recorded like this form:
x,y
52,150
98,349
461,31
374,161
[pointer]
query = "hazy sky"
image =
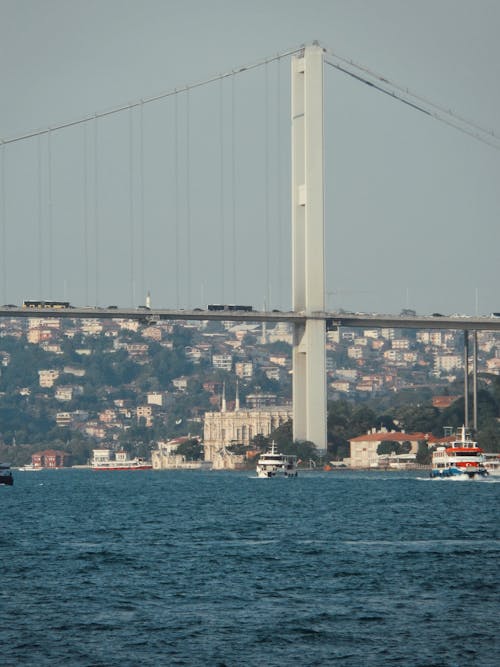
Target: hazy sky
x,y
102,213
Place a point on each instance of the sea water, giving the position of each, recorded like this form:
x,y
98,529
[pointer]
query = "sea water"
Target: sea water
x,y
110,569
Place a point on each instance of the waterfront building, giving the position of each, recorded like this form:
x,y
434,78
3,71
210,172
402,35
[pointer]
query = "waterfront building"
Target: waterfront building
x,y
51,458
223,429
364,447
165,457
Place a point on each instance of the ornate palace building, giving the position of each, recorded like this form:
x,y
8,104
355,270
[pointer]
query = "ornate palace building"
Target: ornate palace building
x,y
223,428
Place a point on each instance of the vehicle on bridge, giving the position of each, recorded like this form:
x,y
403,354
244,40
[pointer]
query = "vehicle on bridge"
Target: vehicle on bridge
x,y
229,308
46,304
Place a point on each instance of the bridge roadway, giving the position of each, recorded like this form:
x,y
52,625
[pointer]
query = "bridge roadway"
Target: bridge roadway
x,y
332,319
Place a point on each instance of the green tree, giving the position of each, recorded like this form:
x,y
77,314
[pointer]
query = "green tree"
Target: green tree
x,y
283,435
260,441
388,447
424,454
418,418
192,449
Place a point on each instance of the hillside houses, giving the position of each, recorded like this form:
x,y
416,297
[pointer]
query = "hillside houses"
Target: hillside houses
x,y
106,378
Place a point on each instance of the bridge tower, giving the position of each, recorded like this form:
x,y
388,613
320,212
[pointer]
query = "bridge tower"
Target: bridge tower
x,y
308,279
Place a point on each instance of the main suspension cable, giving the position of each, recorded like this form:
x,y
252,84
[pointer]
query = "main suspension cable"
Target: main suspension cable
x,y
417,102
148,100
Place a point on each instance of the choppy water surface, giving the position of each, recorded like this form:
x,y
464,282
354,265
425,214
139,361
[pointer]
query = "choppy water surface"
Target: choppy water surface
x,y
197,568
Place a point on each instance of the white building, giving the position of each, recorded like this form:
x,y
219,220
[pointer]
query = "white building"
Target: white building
x,y
155,398
244,369
447,362
48,377
222,429
224,362
165,457
364,447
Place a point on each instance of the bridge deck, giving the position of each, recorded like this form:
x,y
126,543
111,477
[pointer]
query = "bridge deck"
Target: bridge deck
x,y
333,319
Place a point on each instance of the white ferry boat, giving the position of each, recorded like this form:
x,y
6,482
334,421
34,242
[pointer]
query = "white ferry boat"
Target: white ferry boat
x,y
107,459
461,458
274,464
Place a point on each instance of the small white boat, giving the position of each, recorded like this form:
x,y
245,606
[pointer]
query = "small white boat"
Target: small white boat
x,y
274,464
461,458
492,464
29,467
106,459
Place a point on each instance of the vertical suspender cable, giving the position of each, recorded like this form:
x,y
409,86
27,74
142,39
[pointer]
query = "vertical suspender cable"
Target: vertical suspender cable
x,y
85,215
176,176
466,378
131,202
40,221
221,156
141,168
49,213
279,184
233,187
188,202
3,213
96,206
474,381
266,186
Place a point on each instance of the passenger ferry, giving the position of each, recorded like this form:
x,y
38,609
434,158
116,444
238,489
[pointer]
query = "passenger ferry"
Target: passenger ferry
x,y
6,475
106,459
461,458
274,464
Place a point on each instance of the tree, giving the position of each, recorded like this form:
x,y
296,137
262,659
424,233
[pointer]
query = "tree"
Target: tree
x,y
192,449
345,421
304,450
424,454
388,447
418,418
489,437
259,441
283,435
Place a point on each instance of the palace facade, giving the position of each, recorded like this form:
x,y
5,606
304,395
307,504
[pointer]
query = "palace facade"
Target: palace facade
x,y
222,429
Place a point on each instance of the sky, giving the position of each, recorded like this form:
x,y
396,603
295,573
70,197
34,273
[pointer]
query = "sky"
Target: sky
x,y
189,197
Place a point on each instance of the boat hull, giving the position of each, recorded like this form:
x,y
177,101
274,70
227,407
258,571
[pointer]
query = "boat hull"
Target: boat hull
x,y
125,467
7,480
276,473
459,473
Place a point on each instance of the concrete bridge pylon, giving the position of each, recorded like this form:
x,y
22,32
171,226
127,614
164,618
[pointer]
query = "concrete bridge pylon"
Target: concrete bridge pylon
x,y
308,263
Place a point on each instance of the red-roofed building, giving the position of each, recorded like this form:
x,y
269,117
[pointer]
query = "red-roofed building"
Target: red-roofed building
x,y
443,402
364,447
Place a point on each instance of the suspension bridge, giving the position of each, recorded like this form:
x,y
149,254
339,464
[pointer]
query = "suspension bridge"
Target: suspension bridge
x,y
175,195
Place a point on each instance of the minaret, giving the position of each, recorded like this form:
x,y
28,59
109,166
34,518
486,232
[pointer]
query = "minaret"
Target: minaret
x,y
223,402
264,333
237,400
148,300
